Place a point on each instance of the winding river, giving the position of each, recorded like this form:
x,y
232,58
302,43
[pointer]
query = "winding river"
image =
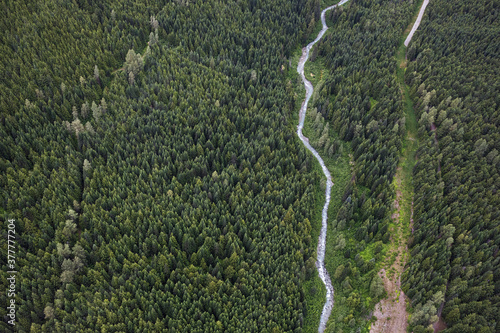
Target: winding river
x,y
417,22
320,261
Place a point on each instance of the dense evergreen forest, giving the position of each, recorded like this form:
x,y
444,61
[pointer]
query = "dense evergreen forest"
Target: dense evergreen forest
x,y
155,187
148,156
454,270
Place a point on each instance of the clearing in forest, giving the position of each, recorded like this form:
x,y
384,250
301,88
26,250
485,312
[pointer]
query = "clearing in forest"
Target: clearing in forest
x,y
391,313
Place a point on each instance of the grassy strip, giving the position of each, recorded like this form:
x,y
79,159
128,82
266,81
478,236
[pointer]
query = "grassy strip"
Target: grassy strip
x,y
410,142
401,230
315,72
403,181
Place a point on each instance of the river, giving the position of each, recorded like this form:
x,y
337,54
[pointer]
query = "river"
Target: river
x,y
320,260
417,22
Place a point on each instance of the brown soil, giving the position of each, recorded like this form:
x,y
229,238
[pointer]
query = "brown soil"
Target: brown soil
x,y
391,312
440,325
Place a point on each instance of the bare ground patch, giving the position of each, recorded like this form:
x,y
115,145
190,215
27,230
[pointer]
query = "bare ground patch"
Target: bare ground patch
x,y
391,312
440,325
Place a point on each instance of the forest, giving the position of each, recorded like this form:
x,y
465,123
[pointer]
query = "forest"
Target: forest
x,y
454,270
155,186
149,158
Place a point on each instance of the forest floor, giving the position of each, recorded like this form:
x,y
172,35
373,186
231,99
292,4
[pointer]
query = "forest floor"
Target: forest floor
x,y
391,312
